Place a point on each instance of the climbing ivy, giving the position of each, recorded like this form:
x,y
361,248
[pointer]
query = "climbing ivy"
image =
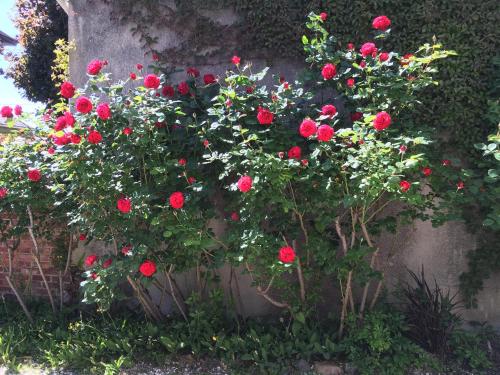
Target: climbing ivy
x,y
269,28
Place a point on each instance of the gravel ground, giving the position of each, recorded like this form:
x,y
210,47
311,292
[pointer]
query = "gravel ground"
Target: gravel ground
x,y
173,368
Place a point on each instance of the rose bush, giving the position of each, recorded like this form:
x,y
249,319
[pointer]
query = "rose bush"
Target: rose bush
x,y
300,184
343,169
28,203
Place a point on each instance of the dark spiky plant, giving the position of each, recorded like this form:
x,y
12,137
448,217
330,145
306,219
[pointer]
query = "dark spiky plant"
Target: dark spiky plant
x,y
431,313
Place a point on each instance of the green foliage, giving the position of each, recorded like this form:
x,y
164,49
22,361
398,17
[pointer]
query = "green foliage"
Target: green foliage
x,y
484,203
60,66
481,263
106,344
19,154
469,349
41,24
379,346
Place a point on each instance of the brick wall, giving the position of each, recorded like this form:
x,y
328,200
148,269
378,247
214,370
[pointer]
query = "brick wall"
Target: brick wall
x,y
25,274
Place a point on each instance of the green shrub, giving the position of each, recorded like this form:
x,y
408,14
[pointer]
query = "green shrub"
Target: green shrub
x,y
470,349
379,346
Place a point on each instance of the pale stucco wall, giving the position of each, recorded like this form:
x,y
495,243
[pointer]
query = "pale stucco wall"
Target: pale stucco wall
x,y
441,250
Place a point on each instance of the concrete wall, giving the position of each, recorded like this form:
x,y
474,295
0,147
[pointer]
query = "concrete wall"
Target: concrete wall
x,y
442,251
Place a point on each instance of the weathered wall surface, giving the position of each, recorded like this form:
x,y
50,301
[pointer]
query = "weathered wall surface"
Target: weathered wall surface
x,y
440,250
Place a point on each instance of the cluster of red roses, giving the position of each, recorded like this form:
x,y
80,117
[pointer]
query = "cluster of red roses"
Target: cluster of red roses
x,y
147,267
7,111
310,128
84,106
33,174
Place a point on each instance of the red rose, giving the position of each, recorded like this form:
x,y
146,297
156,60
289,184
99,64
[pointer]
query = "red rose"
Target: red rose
x,y
193,72
94,67
75,138
191,180
264,116
206,143
51,150
139,66
249,90
183,88
3,192
235,60
281,154
384,56
406,59
176,200
90,260
446,163
402,149
235,216
329,71
245,183
103,111
382,121
368,49
350,46
147,268
60,123
328,110
362,64
82,237
127,131
168,91
286,254
94,137
305,162
107,263
34,174
182,162
6,111
83,104
426,171
68,117
62,140
356,116
94,276
126,249
350,82
151,81
18,110
405,186
460,185
155,57
295,152
67,90
381,23
228,103
325,133
124,205
307,128
323,16
209,79
133,76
